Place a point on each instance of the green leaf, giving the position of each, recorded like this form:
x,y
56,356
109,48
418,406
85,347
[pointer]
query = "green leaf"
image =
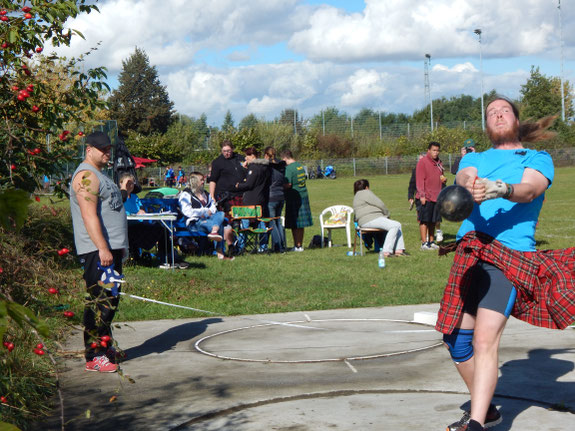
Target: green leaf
x,y
13,207
13,36
79,34
3,319
22,315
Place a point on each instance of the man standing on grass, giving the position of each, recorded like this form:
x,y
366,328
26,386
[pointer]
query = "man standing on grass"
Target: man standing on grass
x,y
298,212
101,239
227,171
496,270
429,180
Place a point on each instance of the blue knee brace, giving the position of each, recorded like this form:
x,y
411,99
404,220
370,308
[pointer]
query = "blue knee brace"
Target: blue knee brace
x,y
460,343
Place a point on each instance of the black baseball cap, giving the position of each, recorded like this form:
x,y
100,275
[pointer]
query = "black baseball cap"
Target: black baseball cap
x,y
98,140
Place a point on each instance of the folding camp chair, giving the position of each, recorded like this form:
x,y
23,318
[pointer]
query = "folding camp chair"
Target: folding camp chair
x,y
249,227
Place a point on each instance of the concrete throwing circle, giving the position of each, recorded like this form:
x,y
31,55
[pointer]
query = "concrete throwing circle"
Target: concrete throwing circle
x,y
326,340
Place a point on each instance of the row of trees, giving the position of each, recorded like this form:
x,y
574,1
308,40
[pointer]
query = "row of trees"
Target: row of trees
x,y
145,114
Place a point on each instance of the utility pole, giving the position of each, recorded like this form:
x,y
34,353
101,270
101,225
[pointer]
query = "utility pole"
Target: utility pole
x,y
428,99
477,31
561,44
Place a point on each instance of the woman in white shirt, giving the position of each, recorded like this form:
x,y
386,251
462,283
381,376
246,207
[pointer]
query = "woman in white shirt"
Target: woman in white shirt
x,y
201,213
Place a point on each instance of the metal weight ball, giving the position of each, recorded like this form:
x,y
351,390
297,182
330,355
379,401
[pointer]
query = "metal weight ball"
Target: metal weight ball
x,y
455,203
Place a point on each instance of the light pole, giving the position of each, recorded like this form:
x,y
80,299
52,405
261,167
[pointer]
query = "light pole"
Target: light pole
x,y
477,31
428,88
561,44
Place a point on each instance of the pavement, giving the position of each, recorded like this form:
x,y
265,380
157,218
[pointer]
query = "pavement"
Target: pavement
x,y
378,368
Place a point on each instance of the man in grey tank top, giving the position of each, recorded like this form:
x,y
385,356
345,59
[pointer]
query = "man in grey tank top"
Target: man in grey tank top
x,y
101,239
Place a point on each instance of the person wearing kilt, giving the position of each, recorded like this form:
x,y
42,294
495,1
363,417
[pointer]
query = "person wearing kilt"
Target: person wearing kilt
x,y
298,212
497,271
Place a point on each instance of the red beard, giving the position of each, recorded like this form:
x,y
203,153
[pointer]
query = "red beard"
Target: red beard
x,y
499,137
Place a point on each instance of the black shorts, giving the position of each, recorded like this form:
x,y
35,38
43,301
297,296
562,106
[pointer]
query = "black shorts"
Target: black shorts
x,y
428,213
489,289
92,273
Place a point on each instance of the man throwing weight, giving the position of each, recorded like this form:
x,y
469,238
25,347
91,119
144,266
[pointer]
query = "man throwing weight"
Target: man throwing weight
x,y
496,270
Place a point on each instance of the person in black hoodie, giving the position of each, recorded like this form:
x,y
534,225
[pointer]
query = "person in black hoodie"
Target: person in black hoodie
x,y
227,171
276,199
256,185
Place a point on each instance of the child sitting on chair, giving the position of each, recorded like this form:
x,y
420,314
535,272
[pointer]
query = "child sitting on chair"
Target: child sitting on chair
x,y
202,215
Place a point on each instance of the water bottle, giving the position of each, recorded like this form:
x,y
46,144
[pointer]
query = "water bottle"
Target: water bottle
x,y
381,260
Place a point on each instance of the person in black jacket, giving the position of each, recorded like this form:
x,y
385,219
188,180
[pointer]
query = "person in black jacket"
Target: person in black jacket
x,y
227,171
412,188
276,199
255,187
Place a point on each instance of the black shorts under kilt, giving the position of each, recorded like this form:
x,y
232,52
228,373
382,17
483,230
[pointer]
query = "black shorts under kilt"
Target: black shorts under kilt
x,y
428,213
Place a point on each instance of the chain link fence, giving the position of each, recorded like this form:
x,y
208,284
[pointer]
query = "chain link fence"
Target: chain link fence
x,y
360,167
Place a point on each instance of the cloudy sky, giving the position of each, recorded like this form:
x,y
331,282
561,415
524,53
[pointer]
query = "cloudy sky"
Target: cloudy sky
x,y
263,56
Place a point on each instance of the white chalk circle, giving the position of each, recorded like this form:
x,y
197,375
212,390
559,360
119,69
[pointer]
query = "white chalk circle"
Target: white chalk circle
x,y
326,340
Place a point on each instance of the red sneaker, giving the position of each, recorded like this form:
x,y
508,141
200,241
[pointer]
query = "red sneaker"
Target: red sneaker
x,y
101,364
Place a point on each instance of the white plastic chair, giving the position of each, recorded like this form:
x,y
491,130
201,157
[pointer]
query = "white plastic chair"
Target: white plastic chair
x,y
336,217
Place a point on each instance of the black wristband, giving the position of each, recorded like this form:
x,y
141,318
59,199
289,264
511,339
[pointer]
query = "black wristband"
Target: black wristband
x,y
509,192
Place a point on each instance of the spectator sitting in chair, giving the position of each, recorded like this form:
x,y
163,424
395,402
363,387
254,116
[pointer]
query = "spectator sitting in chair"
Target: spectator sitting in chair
x,y
202,215
371,212
141,234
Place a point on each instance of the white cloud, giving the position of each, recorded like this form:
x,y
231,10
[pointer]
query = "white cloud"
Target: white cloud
x,y
370,59
362,88
406,29
458,68
173,31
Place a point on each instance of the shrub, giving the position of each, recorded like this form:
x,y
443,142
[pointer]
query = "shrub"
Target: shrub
x,y
33,262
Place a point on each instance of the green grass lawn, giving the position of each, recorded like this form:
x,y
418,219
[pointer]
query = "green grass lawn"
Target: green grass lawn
x,y
326,278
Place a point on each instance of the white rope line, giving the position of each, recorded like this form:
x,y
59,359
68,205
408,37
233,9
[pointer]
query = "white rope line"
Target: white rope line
x,y
273,322
141,298
269,322
293,325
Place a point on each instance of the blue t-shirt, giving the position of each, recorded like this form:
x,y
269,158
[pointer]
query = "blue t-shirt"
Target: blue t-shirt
x,y
132,204
511,223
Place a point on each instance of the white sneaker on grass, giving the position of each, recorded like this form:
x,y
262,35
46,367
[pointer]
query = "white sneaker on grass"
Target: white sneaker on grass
x,y
438,235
